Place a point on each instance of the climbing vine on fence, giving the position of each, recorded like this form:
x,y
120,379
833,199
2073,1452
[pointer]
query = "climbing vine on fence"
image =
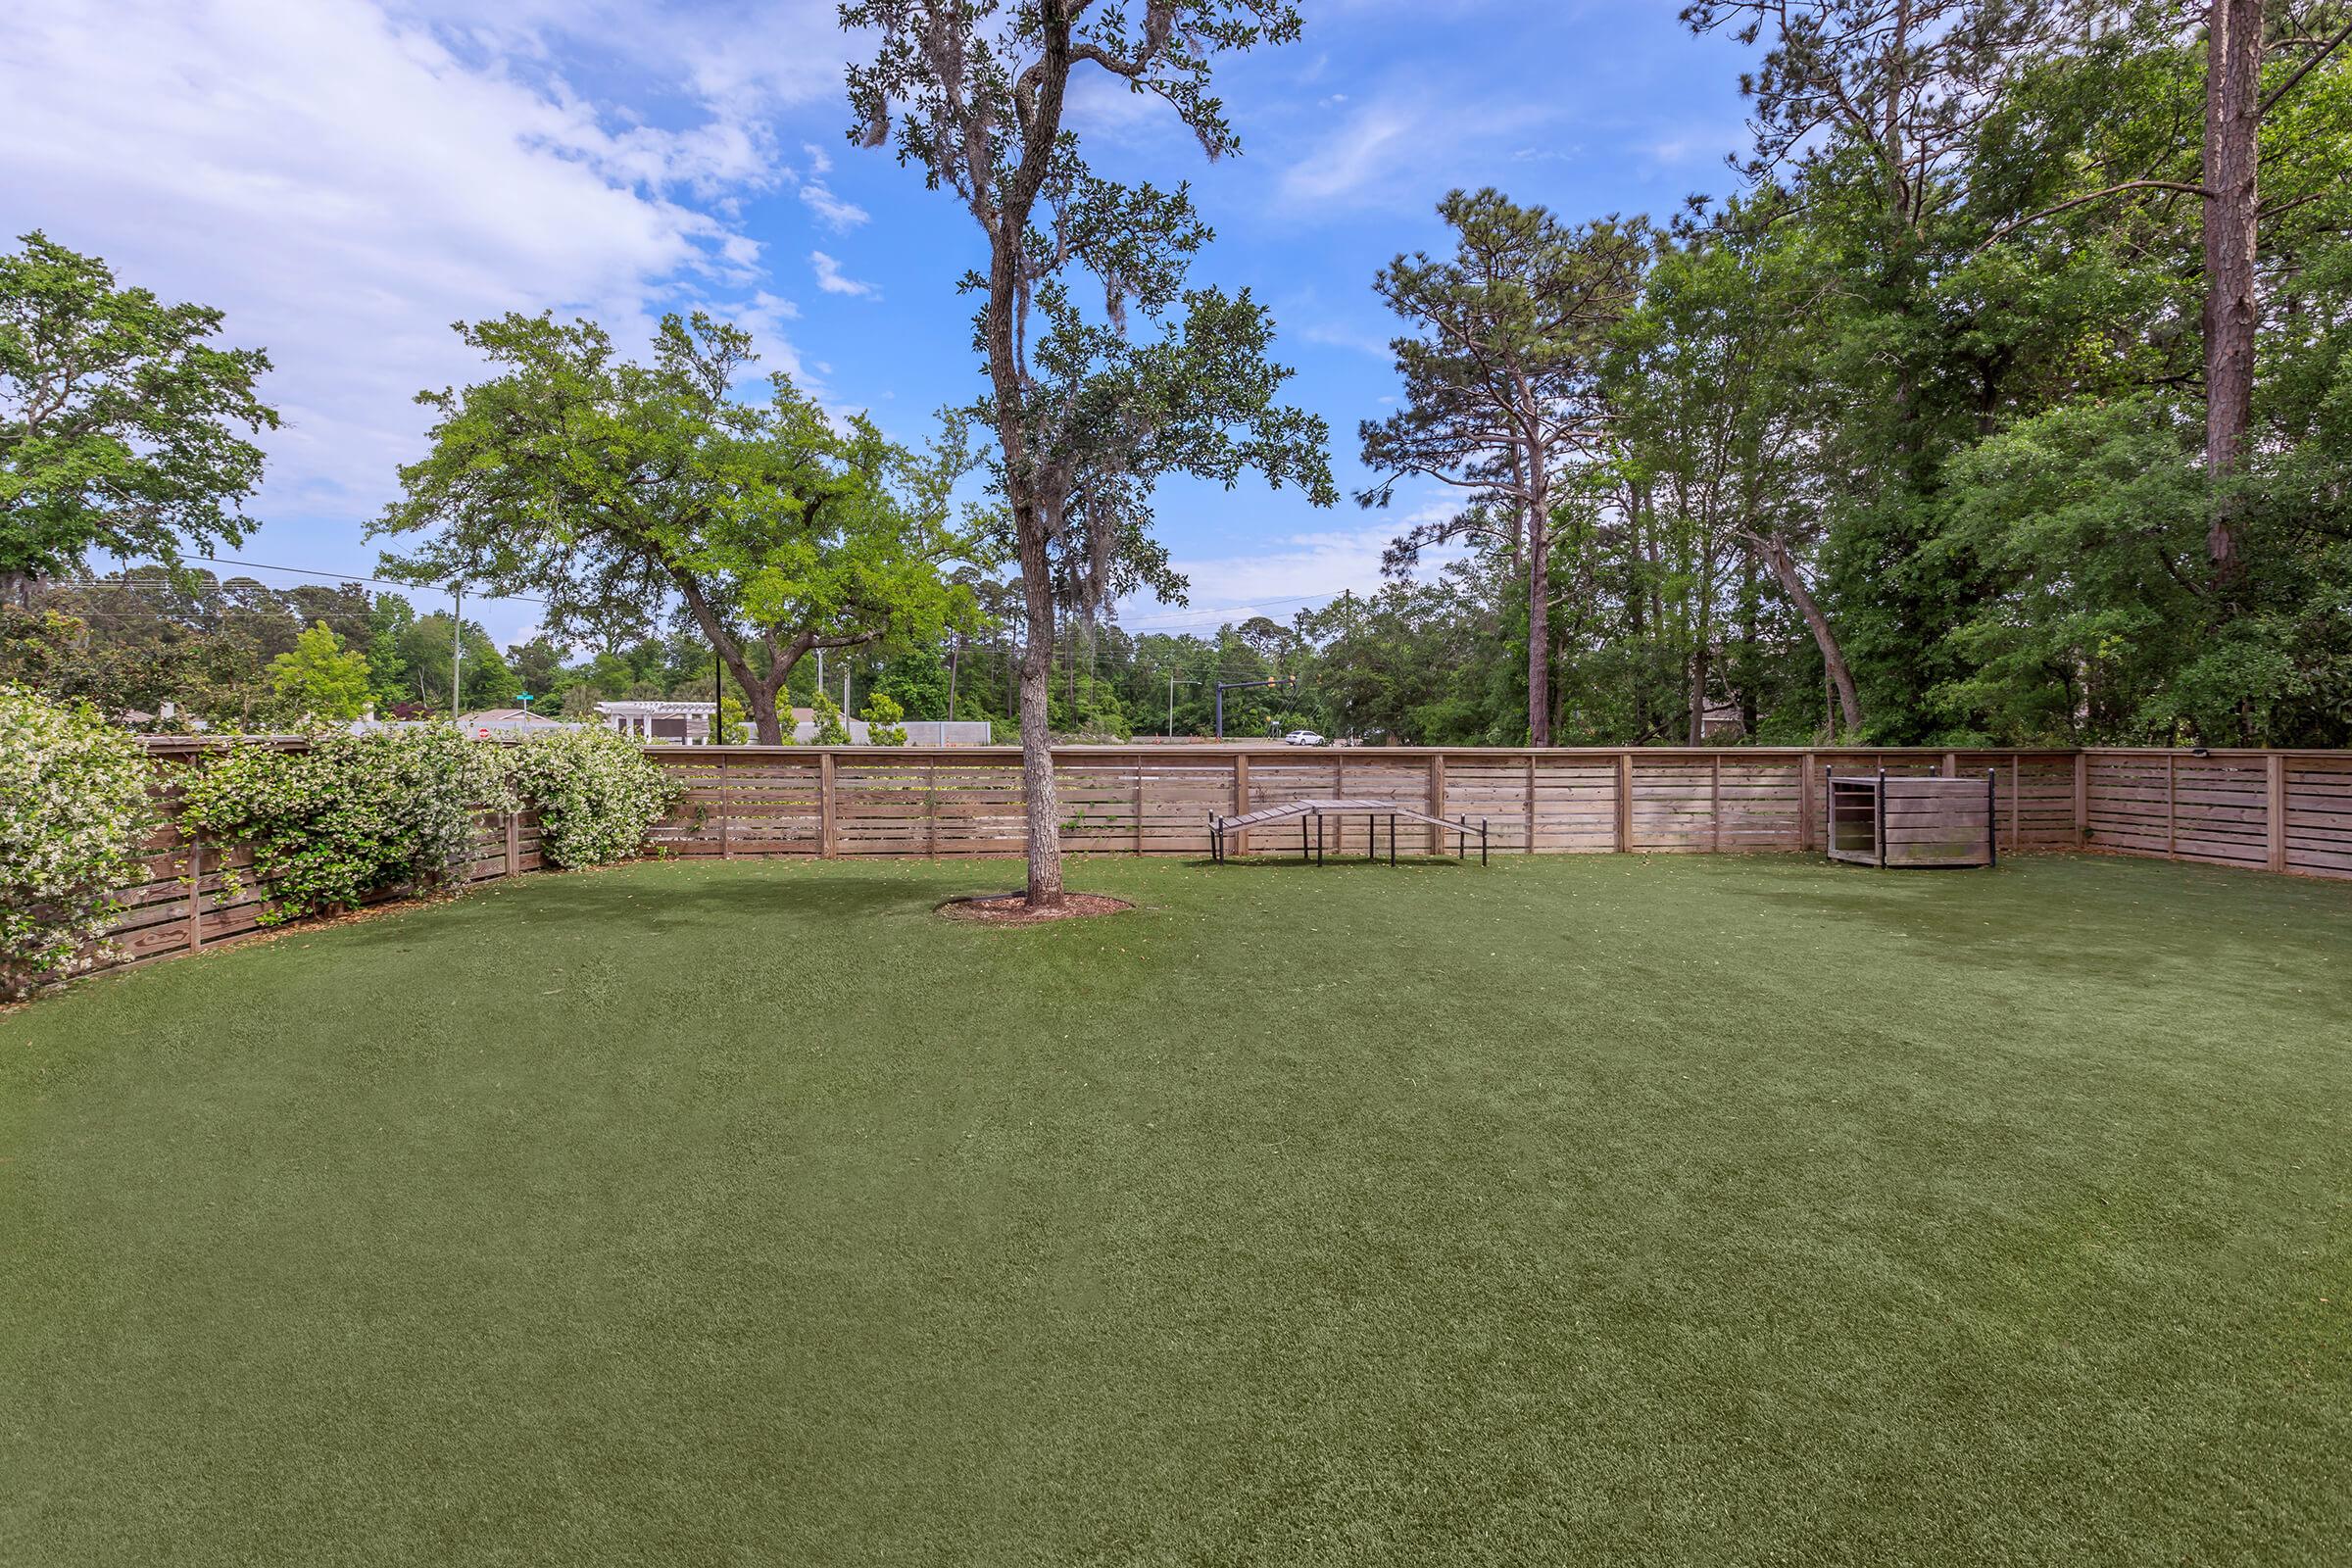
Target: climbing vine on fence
x,y
595,794
352,815
73,815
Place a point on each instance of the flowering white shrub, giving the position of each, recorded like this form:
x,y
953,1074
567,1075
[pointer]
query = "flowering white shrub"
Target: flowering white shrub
x,y
352,815
595,793
75,813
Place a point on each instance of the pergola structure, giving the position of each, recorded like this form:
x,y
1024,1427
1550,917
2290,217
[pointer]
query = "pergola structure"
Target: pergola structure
x,y
1311,839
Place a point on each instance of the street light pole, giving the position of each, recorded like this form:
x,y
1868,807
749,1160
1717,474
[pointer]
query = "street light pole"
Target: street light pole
x,y
1225,686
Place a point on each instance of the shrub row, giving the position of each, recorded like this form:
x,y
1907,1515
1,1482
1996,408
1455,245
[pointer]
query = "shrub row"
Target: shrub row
x,y
349,817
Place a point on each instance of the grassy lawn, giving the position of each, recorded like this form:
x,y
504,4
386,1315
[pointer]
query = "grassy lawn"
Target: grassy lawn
x,y
1704,1210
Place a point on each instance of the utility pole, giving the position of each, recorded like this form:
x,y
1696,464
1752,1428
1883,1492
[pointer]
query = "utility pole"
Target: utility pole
x,y
719,701
456,644
1171,704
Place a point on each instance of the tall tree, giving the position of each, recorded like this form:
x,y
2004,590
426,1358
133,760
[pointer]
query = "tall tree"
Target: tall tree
x,y
119,421
318,678
1715,417
1501,383
1087,418
2240,37
608,487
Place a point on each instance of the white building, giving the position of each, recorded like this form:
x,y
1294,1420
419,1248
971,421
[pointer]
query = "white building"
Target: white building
x,y
679,723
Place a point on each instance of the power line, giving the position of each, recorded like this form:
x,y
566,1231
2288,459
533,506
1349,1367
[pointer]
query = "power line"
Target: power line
x,y
300,572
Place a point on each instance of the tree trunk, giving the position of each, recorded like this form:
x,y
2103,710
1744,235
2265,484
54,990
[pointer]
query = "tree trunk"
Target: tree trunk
x,y
760,691
1636,626
1832,657
1539,645
1699,691
1539,601
1703,644
16,588
2232,121
1746,680
768,725
1038,795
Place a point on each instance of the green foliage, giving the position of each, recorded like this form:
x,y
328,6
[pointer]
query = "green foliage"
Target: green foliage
x,y
39,647
75,814
918,682
882,714
595,793
351,815
830,731
2083,524
613,488
318,680
119,419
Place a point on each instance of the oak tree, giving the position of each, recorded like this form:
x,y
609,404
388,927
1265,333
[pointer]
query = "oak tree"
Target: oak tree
x,y
615,490
123,425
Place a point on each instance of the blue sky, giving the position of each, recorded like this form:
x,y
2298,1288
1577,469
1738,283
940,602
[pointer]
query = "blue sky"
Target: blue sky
x,y
346,178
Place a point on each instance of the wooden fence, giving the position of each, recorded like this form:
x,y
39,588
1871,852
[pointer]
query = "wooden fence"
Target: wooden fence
x,y
2286,811
1157,800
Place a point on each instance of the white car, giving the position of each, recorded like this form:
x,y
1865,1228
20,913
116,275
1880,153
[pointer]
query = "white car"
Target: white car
x,y
1303,737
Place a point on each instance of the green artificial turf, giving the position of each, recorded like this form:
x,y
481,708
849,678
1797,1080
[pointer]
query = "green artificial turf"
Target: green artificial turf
x,y
1579,1210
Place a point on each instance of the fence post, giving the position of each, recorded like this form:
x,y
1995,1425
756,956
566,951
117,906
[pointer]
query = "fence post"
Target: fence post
x,y
931,808
1138,804
2276,812
1624,800
1240,799
1436,801
513,843
824,806
1806,827
195,890
2082,799
1531,803
2172,805
1714,802
1951,764
2016,805
726,806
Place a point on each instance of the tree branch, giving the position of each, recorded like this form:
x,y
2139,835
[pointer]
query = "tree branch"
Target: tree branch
x,y
2014,225
2302,71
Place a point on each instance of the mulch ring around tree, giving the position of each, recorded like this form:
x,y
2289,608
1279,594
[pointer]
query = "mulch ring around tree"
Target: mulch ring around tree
x,y
1013,908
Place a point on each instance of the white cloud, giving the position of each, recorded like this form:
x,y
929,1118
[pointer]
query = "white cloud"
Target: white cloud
x,y
829,278
831,211
1339,336
1405,147
345,180
1352,157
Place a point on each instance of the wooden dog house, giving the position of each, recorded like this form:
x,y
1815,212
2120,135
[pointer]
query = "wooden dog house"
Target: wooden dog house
x,y
1896,820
